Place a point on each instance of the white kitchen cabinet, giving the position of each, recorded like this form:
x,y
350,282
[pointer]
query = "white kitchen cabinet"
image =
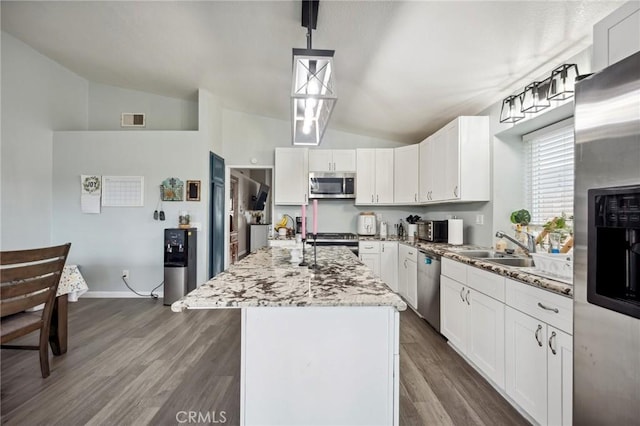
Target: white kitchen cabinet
x,y
408,274
616,36
369,253
431,168
406,176
291,176
472,321
389,264
382,258
467,159
332,160
539,355
374,176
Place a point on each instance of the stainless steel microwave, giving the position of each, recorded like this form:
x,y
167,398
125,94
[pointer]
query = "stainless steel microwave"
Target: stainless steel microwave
x,y
332,185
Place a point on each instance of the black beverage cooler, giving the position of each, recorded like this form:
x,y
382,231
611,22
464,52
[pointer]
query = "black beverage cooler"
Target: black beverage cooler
x,y
180,261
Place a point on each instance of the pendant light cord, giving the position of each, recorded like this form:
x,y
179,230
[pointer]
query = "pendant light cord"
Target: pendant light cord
x,y
309,23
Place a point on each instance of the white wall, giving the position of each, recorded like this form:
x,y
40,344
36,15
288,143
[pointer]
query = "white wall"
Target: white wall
x,y
38,96
126,237
107,103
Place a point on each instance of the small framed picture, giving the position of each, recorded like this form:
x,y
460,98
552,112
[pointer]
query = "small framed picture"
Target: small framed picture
x,y
193,190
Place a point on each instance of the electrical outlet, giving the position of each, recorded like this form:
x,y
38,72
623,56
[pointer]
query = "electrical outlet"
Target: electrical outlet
x,y
125,273
479,219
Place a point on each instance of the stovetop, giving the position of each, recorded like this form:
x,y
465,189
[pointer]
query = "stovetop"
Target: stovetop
x,y
334,237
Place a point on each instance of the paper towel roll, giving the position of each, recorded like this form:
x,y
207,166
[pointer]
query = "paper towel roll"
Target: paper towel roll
x,y
455,232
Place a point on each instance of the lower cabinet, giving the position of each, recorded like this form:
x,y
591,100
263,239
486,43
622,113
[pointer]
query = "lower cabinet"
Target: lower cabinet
x,y
408,274
533,349
382,258
474,324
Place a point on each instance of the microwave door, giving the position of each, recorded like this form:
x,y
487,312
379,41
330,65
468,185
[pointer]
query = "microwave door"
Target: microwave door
x,y
326,187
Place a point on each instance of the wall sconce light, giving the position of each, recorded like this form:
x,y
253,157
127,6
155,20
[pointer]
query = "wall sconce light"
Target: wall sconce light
x,y
537,95
534,98
512,109
563,81
313,87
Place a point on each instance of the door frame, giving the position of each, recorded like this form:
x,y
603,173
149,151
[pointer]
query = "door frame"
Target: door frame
x,y
227,204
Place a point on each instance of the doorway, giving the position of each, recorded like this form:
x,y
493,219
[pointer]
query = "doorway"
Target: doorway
x,y
249,209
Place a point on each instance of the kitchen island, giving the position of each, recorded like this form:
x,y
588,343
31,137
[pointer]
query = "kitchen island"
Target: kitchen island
x,y
319,346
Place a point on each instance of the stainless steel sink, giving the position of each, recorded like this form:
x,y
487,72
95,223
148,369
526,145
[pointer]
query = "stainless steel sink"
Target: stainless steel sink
x,y
517,262
483,254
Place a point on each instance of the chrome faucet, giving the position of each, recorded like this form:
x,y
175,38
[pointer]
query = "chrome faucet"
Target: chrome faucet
x,y
531,241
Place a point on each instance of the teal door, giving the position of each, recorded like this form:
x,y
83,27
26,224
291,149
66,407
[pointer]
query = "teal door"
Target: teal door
x,y
216,225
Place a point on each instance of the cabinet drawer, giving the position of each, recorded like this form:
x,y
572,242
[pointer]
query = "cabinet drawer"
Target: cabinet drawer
x,y
408,252
486,282
365,247
454,270
551,308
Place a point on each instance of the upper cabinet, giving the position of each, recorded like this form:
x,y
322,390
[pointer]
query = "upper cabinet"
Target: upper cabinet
x,y
455,162
405,182
332,160
374,180
291,176
616,36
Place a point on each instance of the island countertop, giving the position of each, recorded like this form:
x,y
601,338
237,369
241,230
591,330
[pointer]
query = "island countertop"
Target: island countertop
x,y
268,278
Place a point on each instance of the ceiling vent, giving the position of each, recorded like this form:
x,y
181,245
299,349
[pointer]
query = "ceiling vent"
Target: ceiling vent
x,y
130,119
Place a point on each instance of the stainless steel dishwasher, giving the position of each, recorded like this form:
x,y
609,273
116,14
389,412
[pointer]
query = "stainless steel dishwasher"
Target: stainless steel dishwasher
x,y
429,288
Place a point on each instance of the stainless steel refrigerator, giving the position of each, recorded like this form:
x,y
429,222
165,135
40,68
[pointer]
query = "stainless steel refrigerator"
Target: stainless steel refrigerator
x,y
607,246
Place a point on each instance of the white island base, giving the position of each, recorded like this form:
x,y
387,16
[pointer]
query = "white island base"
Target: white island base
x,y
320,365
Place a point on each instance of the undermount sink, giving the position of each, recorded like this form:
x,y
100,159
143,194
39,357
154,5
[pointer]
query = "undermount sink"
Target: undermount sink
x,y
518,262
483,254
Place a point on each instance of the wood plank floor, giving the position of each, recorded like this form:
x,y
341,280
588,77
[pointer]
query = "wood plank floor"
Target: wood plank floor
x,y
133,361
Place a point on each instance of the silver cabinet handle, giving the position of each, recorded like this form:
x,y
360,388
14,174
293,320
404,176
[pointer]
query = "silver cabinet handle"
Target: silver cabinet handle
x,y
410,253
462,294
405,264
377,198
415,197
383,248
329,165
334,167
305,198
455,191
548,308
538,330
368,247
372,198
553,336
467,297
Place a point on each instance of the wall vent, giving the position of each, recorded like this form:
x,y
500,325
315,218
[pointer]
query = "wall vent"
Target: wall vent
x,y
131,119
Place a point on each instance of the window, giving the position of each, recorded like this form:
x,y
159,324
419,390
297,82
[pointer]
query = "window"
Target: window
x,y
549,154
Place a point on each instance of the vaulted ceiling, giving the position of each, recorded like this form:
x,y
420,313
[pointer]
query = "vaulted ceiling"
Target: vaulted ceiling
x,y
403,68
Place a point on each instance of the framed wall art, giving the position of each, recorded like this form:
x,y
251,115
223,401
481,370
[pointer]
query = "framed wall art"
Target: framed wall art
x,y
193,190
172,189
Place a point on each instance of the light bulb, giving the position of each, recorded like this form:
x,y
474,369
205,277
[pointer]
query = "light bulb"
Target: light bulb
x,y
313,88
306,127
308,113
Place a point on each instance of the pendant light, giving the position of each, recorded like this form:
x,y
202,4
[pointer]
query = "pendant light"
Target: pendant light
x,y
313,87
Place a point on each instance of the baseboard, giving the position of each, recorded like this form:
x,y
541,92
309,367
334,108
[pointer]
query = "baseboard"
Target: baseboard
x,y
116,294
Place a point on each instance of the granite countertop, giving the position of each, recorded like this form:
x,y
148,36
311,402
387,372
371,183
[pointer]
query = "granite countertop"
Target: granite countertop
x,y
452,252
268,278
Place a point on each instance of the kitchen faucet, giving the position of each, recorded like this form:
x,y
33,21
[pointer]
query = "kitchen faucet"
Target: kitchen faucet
x,y
531,241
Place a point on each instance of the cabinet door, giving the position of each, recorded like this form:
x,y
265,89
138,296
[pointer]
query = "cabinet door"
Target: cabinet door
x,y
452,162
526,363
389,264
366,176
412,283
485,337
320,160
372,261
425,186
291,176
405,188
403,269
384,159
616,36
453,312
560,377
437,167
344,160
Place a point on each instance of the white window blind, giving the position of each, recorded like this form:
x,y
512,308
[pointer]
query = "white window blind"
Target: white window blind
x,y
549,172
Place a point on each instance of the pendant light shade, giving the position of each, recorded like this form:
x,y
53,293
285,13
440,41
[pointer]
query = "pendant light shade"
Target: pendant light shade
x,y
512,109
313,94
534,98
563,80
